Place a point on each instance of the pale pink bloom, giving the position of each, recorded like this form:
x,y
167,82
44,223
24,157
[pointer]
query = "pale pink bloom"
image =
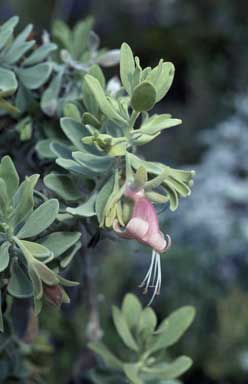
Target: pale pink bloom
x,y
144,227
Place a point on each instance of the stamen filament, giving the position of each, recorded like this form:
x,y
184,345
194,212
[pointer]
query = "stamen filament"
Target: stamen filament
x,y
154,273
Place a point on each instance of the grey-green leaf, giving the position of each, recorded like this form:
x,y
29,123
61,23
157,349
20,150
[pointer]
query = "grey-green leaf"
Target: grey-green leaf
x,y
147,322
132,372
8,82
74,130
63,185
49,100
157,123
36,249
46,275
110,360
103,196
40,54
86,209
40,219
34,77
60,242
23,199
19,285
4,256
127,67
123,329
103,102
168,371
6,30
172,328
9,174
162,77
131,309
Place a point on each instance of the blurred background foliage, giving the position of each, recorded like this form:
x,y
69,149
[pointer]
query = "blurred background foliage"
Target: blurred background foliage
x,y
207,267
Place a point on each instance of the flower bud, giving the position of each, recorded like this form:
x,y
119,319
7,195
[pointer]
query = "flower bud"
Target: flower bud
x,y
54,294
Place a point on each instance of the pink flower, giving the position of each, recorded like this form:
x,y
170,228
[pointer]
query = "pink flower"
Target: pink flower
x,y
144,227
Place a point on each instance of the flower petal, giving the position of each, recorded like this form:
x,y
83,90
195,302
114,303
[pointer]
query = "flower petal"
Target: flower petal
x,y
138,228
158,242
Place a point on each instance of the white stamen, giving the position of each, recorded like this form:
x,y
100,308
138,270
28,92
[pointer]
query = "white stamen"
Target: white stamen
x,y
147,278
154,273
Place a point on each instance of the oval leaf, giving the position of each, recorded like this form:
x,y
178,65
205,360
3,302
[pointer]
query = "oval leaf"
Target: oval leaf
x,y
40,219
144,97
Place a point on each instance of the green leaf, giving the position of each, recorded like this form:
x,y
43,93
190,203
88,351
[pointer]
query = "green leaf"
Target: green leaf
x,y
140,177
156,197
132,373
63,185
34,77
3,196
156,181
67,283
73,167
40,54
36,249
74,130
72,111
46,275
94,163
8,82
162,77
19,46
180,187
86,209
62,34
25,128
4,256
89,100
168,371
103,196
60,149
172,328
80,37
131,309
144,97
123,329
109,58
19,285
43,148
7,29
90,119
36,283
147,322
68,255
173,196
96,72
109,359
127,67
103,102
40,219
9,174
157,123
139,138
60,242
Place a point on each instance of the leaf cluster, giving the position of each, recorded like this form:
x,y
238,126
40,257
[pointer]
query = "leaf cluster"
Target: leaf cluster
x,y
29,254
146,342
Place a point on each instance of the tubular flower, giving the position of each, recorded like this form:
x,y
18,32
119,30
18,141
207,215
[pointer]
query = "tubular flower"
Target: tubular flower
x,y
144,227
